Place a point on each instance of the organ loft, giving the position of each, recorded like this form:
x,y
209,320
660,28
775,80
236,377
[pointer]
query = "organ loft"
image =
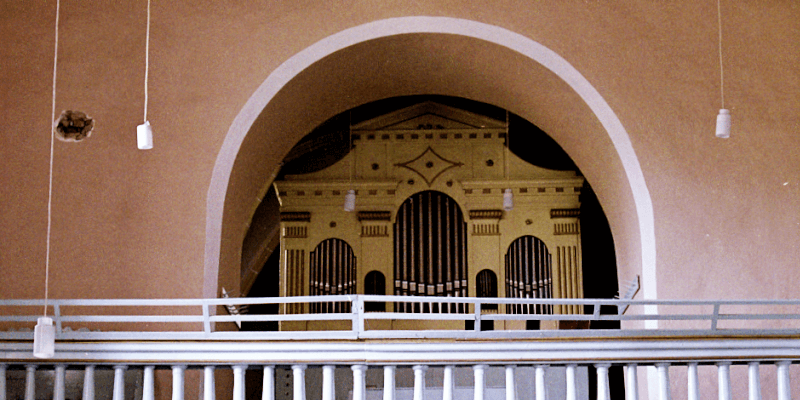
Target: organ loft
x,y
430,220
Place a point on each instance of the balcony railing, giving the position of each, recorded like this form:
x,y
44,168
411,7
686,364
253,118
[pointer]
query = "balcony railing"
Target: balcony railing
x,y
698,336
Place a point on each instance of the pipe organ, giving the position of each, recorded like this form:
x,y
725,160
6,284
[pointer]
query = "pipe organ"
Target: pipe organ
x,y
429,182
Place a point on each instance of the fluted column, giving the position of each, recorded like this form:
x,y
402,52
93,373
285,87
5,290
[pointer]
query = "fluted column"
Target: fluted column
x,y
724,380
693,383
388,382
299,382
663,381
540,384
480,382
88,383
238,382
209,385
148,384
59,391
419,381
753,381
572,393
603,390
632,383
359,382
30,382
268,392
119,382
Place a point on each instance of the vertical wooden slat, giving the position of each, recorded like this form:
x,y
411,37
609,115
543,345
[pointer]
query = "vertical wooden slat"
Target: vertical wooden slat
x,y
148,384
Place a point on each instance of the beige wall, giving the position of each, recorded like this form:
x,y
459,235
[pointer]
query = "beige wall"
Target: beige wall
x,y
128,223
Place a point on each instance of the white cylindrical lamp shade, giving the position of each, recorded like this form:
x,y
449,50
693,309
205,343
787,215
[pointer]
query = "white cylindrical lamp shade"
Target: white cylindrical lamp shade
x,y
144,136
350,200
508,200
44,338
724,124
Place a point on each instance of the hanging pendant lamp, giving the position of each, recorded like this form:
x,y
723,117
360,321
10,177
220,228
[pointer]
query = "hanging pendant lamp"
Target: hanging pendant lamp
x,y
724,117
508,196
350,197
144,132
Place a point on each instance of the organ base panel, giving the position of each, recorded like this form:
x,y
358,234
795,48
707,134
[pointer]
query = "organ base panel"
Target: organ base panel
x,y
429,218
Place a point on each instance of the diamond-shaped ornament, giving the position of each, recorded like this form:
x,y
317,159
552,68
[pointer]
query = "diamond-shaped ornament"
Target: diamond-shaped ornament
x,y
429,165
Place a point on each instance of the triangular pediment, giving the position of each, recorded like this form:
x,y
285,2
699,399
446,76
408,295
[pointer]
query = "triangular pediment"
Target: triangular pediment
x,y
429,115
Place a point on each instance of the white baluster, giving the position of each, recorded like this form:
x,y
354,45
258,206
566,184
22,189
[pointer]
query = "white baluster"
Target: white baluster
x,y
632,383
480,383
724,380
541,387
148,384
571,389
299,382
419,381
88,383
58,384
30,382
388,382
754,381
177,382
238,381
119,382
3,368
328,384
511,382
603,391
784,390
448,386
663,381
359,382
209,384
269,383
693,383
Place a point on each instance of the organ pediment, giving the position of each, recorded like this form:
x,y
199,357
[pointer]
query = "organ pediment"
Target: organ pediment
x,y
427,116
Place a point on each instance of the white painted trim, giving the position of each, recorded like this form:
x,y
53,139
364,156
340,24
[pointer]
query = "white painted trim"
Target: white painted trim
x,y
404,25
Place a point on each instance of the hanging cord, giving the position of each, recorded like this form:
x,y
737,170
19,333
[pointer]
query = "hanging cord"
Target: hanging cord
x,y
146,60
50,178
508,147
350,144
721,78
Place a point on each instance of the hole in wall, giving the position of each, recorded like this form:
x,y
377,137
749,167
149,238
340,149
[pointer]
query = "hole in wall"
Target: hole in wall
x,y
73,126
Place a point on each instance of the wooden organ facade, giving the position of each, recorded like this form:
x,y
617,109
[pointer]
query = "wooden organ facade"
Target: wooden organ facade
x,y
429,217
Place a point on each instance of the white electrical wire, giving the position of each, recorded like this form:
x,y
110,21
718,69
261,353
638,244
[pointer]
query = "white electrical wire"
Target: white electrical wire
x,y
146,60
50,184
721,78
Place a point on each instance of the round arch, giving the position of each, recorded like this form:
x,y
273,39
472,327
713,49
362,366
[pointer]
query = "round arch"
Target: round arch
x,y
642,220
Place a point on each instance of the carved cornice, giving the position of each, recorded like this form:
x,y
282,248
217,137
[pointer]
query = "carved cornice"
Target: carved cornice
x,y
296,216
485,214
565,213
374,215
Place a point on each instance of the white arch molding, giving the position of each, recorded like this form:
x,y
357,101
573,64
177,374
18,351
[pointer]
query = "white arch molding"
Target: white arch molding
x,y
404,25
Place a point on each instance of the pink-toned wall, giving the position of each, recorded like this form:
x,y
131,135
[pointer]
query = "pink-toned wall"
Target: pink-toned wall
x,y
130,223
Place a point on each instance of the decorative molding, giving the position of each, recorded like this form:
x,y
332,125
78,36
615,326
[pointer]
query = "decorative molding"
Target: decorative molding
x,y
565,213
571,228
429,165
374,215
485,229
485,214
295,232
374,231
295,216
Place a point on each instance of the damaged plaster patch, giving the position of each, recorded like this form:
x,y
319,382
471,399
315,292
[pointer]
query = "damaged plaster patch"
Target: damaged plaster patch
x,y
73,126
